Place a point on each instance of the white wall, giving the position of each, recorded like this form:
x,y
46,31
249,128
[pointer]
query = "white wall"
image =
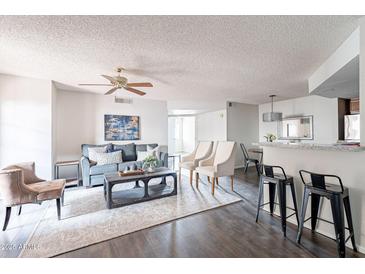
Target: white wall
x,y
26,122
212,126
242,127
348,50
80,120
362,80
324,111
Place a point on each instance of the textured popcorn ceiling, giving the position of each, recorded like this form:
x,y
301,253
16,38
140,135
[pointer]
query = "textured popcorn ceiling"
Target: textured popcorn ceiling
x,y
199,59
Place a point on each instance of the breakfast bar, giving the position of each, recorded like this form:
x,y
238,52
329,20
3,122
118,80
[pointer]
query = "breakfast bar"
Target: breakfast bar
x,y
345,161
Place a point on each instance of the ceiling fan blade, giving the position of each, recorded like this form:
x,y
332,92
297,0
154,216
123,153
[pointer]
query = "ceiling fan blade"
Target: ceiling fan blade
x,y
136,91
106,85
110,91
111,79
147,85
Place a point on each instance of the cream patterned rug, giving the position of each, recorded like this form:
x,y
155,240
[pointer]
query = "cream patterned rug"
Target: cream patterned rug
x,y
86,220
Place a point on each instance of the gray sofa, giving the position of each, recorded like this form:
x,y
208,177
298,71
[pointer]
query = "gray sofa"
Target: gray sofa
x,y
93,174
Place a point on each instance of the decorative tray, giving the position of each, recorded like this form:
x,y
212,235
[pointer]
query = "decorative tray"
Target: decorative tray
x,y
131,172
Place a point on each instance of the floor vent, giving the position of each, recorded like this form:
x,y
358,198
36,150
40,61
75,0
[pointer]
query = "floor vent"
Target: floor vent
x,y
120,100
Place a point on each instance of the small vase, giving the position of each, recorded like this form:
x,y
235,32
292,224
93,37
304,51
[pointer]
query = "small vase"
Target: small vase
x,y
150,169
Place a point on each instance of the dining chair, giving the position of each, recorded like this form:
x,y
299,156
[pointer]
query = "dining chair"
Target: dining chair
x,y
247,160
219,164
191,160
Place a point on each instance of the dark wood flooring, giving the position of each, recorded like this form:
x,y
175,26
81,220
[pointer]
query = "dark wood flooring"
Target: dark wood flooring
x,y
228,231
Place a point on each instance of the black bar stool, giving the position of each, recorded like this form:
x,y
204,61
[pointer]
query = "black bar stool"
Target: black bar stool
x,y
339,198
280,181
248,160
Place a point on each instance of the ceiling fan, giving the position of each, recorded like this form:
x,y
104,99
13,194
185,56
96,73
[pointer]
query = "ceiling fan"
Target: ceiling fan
x,y
119,82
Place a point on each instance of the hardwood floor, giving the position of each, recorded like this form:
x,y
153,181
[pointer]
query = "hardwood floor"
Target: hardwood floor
x,y
228,231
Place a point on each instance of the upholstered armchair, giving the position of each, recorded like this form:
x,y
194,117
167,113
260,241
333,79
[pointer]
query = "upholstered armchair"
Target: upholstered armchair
x,y
191,161
219,164
19,185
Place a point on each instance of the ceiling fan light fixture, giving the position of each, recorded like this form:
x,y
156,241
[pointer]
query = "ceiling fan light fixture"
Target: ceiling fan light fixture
x,y
119,82
272,116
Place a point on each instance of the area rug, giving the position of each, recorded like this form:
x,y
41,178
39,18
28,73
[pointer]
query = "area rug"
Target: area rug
x,y
86,220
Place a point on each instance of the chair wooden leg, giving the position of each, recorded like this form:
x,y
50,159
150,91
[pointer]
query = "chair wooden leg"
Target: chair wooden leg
x,y
19,209
191,177
180,174
216,180
7,217
58,202
213,185
208,179
232,179
197,180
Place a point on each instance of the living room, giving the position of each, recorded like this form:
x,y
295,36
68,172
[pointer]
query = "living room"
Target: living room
x,y
190,136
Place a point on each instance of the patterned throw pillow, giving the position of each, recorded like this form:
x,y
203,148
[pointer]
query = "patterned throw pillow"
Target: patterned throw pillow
x,y
141,155
95,150
109,158
154,151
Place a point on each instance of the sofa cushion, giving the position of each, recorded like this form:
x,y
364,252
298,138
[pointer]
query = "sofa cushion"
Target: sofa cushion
x,y
48,190
85,148
141,155
95,151
144,147
96,180
109,158
103,169
128,151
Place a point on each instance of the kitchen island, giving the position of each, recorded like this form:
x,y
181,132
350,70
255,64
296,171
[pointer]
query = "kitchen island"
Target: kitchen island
x,y
348,162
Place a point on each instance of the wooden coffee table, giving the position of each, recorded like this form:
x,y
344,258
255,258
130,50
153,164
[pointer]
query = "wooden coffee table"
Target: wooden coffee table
x,y
138,194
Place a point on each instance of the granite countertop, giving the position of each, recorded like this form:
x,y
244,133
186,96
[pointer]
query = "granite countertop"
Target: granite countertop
x,y
312,146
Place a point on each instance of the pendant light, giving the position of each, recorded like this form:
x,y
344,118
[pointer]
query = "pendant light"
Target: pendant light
x,y
272,116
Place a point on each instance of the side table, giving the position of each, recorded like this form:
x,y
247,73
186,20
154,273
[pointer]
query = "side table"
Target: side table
x,y
173,156
69,181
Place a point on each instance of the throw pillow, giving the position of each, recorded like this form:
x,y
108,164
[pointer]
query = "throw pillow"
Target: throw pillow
x,y
105,158
95,150
128,151
154,151
141,155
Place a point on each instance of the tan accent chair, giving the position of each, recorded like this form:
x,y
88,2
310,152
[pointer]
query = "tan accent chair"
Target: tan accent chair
x,y
219,164
191,161
19,185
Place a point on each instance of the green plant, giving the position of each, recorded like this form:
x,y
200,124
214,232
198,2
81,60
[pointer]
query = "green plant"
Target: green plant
x,y
270,137
150,161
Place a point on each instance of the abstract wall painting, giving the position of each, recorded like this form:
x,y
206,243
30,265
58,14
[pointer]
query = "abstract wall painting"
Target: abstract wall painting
x,y
121,127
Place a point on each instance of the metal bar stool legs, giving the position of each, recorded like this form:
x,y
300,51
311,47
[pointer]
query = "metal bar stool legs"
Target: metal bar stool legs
x,y
272,192
281,183
339,223
338,195
302,214
346,203
261,192
282,203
